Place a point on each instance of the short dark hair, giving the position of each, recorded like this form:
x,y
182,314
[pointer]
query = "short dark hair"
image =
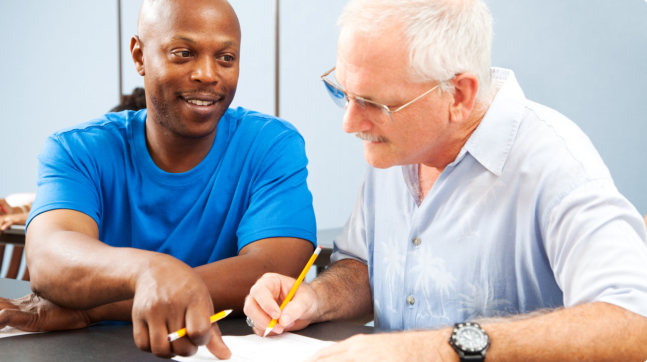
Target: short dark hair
x,y
132,102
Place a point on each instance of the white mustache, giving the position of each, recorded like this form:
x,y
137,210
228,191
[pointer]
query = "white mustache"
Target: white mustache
x,y
369,137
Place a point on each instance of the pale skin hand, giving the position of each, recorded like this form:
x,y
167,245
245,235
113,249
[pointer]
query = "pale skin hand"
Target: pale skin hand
x,y
589,332
168,295
342,292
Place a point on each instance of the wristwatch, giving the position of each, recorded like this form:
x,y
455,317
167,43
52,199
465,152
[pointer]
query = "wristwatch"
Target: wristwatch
x,y
470,341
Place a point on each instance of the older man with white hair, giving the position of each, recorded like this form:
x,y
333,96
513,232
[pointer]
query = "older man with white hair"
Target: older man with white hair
x,y
478,206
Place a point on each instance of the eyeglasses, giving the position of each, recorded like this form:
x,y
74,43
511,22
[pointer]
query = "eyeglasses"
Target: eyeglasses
x,y
341,98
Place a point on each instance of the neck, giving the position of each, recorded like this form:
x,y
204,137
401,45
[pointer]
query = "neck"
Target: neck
x,y
174,153
450,150
428,172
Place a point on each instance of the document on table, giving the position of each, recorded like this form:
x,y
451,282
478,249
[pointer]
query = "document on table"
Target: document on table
x,y
12,332
286,347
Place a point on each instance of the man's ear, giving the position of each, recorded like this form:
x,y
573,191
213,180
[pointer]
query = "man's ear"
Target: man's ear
x,y
466,86
137,52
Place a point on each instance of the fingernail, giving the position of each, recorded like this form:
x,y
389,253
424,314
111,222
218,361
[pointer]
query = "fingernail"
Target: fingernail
x,y
276,315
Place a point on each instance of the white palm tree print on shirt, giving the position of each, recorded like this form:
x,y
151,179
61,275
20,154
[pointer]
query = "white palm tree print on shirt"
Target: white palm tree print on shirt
x,y
433,280
483,305
394,273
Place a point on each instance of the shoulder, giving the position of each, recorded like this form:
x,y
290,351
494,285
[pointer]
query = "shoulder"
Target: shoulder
x,y
99,138
104,130
551,140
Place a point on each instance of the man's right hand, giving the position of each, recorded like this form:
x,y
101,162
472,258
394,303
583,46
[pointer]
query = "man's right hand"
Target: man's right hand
x,y
169,296
32,313
262,304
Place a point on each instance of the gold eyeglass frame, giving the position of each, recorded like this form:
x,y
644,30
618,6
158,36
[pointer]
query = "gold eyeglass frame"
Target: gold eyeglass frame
x,y
385,109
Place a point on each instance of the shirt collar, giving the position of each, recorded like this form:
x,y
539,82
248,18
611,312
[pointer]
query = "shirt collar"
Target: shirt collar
x,y
491,141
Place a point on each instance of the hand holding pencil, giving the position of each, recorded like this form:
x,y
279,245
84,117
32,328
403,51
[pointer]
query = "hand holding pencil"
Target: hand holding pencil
x,y
296,310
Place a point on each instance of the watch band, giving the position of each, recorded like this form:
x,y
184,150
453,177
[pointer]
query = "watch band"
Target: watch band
x,y
468,358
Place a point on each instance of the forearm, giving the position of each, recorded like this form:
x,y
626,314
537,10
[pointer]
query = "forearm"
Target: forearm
x,y
344,292
76,271
589,332
229,280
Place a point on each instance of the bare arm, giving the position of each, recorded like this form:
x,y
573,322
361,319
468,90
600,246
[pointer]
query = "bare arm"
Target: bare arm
x,y
75,270
590,332
72,268
230,280
344,292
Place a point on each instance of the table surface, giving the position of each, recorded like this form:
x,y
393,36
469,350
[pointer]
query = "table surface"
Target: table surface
x,y
115,342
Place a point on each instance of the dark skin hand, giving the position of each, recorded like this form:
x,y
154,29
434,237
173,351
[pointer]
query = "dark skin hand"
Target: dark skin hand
x,y
168,294
188,52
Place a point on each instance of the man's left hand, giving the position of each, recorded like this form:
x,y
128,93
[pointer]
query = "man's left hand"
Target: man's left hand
x,y
403,346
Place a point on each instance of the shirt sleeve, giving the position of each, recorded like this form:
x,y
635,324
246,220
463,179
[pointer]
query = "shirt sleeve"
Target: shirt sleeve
x,y
64,183
596,244
280,203
352,243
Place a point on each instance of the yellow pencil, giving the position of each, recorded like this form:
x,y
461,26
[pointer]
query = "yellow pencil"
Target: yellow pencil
x,y
214,318
294,287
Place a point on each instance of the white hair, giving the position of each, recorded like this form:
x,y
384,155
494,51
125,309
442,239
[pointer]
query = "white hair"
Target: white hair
x,y
445,37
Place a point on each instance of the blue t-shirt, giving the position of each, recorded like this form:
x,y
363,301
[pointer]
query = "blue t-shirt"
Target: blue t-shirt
x,y
250,186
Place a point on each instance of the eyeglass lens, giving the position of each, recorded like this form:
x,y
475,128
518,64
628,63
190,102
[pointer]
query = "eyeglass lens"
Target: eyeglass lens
x,y
341,100
337,95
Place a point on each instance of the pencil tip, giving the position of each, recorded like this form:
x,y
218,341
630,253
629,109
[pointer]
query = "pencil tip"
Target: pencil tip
x,y
228,311
267,331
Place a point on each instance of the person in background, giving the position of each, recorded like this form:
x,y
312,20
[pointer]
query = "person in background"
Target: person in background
x,y
132,102
165,215
18,215
477,205
14,210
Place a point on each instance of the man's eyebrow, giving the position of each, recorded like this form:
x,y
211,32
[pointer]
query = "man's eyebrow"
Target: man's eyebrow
x,y
228,43
189,40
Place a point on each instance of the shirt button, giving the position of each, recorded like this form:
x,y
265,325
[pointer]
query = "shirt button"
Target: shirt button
x,y
411,300
416,241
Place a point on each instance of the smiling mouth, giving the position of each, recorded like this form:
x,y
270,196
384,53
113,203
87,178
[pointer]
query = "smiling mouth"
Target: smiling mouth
x,y
198,102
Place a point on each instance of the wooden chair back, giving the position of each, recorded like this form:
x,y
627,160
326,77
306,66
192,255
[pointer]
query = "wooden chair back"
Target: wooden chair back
x,y
14,263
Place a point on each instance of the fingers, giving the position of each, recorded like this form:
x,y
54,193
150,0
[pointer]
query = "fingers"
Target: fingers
x,y
6,223
15,318
294,310
140,334
260,318
268,290
158,333
216,345
198,325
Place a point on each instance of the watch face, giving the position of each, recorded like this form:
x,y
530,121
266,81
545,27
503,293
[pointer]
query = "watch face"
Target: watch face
x,y
470,338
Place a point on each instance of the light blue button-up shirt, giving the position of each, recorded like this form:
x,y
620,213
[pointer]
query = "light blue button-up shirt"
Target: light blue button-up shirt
x,y
526,217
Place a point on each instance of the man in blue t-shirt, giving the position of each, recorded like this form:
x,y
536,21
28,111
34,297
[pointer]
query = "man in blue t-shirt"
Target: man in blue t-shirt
x,y
164,215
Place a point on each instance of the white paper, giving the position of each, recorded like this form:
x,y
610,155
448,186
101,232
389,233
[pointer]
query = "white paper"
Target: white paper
x,y
286,347
12,332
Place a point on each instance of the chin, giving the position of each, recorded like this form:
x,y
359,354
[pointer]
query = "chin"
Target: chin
x,y
378,160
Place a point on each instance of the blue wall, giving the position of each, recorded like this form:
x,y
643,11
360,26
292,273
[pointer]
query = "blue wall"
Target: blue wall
x,y
588,60
584,58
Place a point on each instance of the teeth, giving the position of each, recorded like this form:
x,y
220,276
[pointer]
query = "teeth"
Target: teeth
x,y
200,103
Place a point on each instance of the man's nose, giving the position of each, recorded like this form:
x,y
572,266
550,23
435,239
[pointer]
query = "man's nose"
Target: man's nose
x,y
355,119
206,72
